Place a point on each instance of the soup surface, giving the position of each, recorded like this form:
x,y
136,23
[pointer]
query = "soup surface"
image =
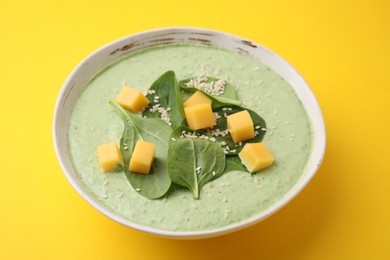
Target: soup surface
x,y
234,197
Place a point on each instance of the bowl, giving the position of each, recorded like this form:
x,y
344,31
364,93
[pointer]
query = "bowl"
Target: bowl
x,y
109,53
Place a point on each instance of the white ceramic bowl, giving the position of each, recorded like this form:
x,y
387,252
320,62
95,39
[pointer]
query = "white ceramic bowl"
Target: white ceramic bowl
x,y
79,77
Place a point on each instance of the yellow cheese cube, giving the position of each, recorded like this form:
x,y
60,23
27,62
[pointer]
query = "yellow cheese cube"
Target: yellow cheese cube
x,y
256,156
132,99
199,116
142,157
197,98
109,156
240,126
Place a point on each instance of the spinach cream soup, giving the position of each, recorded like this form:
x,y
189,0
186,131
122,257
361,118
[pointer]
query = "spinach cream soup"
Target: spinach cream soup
x,y
234,196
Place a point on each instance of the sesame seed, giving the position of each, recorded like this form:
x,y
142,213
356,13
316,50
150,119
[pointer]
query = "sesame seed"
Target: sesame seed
x,y
163,112
173,139
263,129
213,173
137,189
257,127
214,87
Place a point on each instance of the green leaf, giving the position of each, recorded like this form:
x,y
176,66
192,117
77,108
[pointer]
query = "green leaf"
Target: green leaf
x,y
157,182
229,96
226,140
233,163
220,133
118,167
194,162
165,93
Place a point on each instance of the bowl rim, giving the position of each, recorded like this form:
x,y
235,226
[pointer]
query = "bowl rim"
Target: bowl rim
x,y
320,138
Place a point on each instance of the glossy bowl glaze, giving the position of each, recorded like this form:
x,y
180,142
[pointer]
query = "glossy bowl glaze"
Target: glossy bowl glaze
x,y
79,77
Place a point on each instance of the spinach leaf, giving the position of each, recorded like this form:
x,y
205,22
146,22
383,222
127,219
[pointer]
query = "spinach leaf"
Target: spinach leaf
x,y
221,134
228,97
157,182
165,100
193,162
233,163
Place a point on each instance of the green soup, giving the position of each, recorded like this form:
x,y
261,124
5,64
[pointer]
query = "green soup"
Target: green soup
x,y
233,197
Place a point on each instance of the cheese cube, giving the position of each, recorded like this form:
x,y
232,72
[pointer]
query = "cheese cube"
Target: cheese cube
x,y
142,157
240,126
256,156
199,116
109,156
132,99
197,98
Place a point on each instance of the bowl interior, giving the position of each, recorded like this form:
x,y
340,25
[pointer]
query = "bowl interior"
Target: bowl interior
x,y
78,79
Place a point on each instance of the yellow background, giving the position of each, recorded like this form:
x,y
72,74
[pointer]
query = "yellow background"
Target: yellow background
x,y
342,48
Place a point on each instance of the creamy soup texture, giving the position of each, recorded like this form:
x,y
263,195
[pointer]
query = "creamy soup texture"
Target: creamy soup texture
x,y
234,197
